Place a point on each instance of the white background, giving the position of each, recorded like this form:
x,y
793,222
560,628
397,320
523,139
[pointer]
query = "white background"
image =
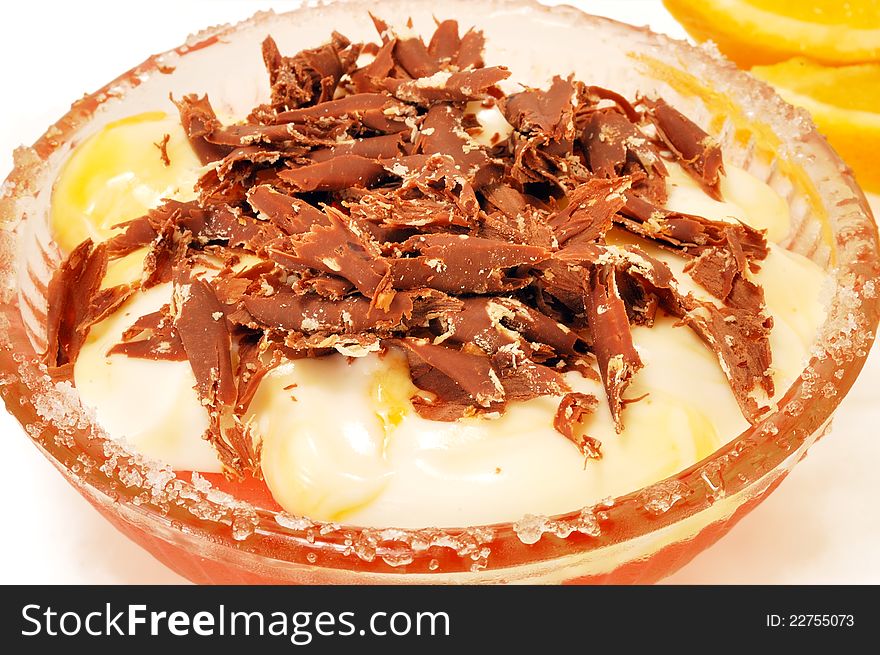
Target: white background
x,y
821,526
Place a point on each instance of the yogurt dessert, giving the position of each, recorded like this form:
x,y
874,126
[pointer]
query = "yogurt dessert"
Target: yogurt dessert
x,y
409,292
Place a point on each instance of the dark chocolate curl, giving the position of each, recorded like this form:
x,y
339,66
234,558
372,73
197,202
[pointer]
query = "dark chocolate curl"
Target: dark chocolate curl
x,y
289,214
612,340
75,303
445,42
572,410
590,210
462,264
309,77
335,174
158,340
698,152
338,250
549,112
199,122
200,320
447,87
446,372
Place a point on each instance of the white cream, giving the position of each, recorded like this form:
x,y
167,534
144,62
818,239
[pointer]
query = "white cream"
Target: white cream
x,y
351,448
118,174
425,472
150,405
494,128
746,199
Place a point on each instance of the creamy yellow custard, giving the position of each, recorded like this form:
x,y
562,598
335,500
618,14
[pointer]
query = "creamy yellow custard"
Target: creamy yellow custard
x,y
118,174
341,440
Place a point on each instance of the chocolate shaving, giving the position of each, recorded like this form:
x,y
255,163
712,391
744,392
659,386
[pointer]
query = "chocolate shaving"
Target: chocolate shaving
x,y
159,339
470,51
316,314
480,323
365,108
137,233
698,152
442,133
400,209
163,150
462,264
591,96
236,446
571,412
611,141
722,251
337,249
335,174
590,211
75,303
516,219
737,332
540,328
292,137
200,320
199,121
252,368
413,57
369,78
741,342
386,146
611,337
548,112
462,380
445,43
444,86
309,77
291,215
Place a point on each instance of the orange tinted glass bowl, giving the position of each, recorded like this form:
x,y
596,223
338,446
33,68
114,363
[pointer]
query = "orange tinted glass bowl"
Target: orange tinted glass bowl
x,y
203,532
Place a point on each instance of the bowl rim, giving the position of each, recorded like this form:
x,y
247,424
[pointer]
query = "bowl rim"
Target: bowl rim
x,y
194,509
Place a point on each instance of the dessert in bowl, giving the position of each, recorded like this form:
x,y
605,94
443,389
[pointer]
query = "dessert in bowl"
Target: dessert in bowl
x,y
574,523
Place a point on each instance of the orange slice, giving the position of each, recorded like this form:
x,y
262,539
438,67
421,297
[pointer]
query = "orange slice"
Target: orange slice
x,y
844,102
768,31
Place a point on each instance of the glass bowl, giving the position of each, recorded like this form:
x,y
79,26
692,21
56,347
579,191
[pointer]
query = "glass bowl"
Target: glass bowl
x,y
210,536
